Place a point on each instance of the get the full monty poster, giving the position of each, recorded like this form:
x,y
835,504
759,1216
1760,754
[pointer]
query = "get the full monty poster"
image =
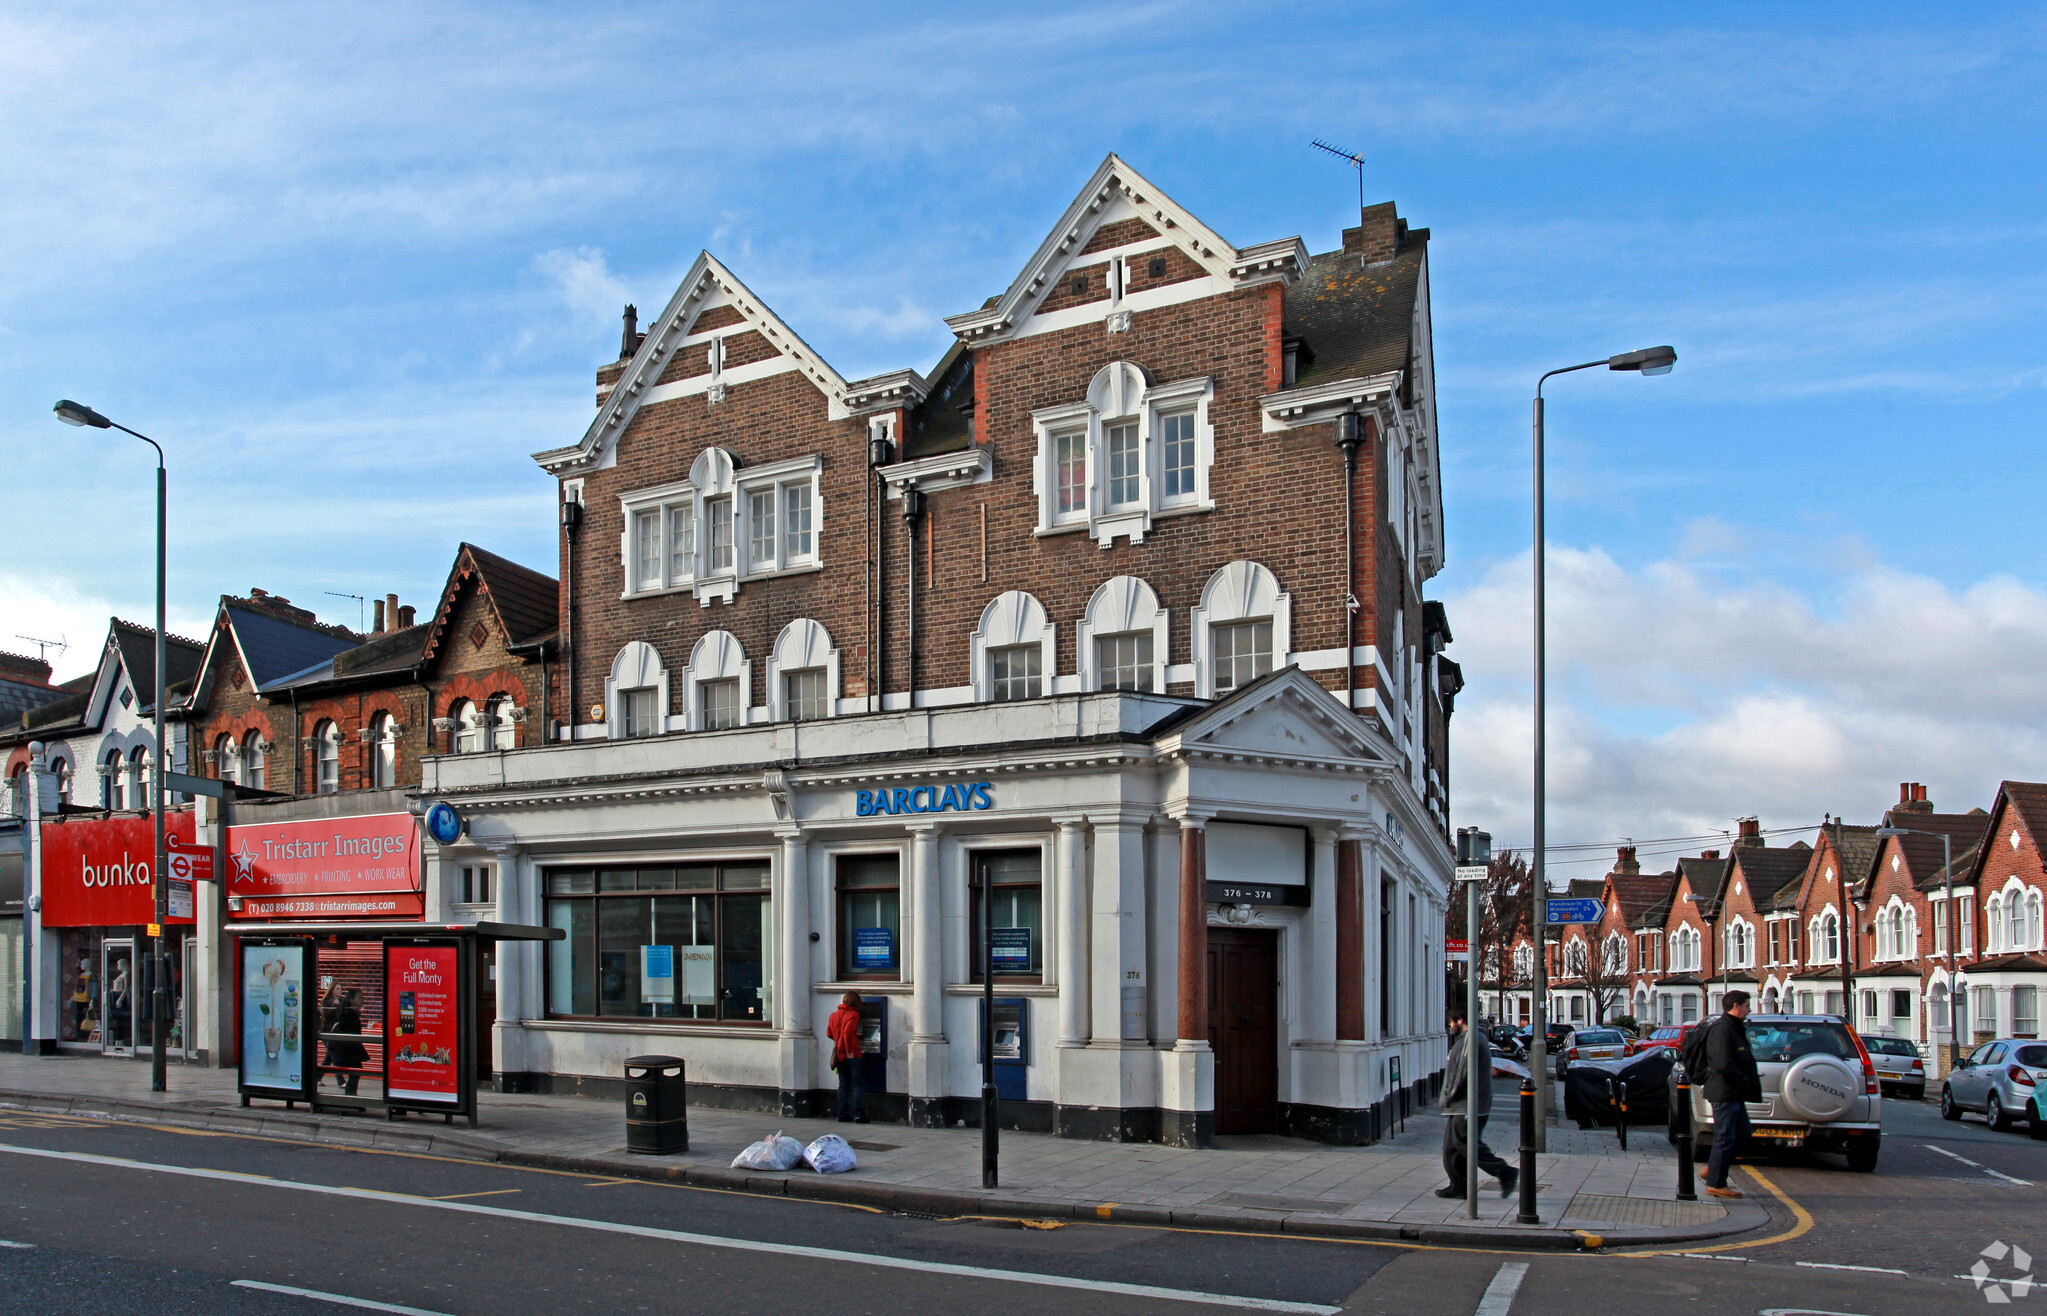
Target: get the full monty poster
x,y
421,1027
274,1005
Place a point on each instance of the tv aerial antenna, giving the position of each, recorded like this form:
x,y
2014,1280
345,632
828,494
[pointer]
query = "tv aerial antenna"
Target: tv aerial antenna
x,y
362,619
43,647
1355,159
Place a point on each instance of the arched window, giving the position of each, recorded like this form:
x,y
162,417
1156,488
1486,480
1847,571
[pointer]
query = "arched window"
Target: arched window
x,y
140,762
468,729
504,732
1013,649
803,674
1524,963
1830,933
17,792
1770,1000
2033,921
636,692
1122,641
719,683
255,759
62,768
113,792
1616,954
1937,1005
327,758
1241,630
383,752
1993,924
227,759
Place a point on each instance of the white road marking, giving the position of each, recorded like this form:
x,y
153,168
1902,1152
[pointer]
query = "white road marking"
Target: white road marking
x,y
1829,1265
1499,1295
340,1299
1801,1311
1977,1165
783,1250
9,1243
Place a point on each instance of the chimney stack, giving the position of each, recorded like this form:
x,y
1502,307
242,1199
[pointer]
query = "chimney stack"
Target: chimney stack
x,y
377,622
391,610
19,667
1751,832
1709,854
404,616
1377,236
1625,864
1912,798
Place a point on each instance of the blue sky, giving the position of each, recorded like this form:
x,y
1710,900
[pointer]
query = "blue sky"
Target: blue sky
x,y
353,265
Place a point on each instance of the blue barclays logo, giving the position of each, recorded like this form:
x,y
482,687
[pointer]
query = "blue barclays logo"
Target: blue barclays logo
x,y
924,799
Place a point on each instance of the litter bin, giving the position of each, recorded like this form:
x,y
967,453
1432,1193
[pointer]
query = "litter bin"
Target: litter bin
x,y
656,1111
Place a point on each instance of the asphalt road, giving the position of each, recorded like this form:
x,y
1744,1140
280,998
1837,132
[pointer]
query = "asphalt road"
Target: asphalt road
x,y
98,1216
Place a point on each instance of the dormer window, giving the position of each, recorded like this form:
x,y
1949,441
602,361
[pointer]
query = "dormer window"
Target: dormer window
x,y
723,525
1130,452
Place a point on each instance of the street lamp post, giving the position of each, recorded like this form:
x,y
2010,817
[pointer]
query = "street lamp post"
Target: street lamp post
x,y
1954,929
73,413
1648,361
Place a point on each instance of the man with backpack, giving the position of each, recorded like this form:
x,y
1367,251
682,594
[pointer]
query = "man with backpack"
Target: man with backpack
x,y
1716,1057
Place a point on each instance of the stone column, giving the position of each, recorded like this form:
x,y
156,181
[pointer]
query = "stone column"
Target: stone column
x,y
1118,950
1069,897
514,877
1350,938
1320,980
1187,1072
928,1055
796,1047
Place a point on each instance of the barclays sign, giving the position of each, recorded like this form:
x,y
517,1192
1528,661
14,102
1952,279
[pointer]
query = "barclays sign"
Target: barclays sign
x,y
972,795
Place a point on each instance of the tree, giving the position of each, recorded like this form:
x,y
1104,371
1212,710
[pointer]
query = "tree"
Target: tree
x,y
1605,975
1503,898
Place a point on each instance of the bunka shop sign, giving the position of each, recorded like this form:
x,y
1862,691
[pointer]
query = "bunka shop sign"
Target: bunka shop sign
x,y
96,871
925,799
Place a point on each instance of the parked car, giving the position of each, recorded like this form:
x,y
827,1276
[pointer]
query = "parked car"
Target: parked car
x,y
2001,1079
1660,1037
1899,1069
1591,1044
1820,1089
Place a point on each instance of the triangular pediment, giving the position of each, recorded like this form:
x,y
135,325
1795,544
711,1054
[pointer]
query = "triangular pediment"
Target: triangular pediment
x,y
707,287
1282,716
1118,200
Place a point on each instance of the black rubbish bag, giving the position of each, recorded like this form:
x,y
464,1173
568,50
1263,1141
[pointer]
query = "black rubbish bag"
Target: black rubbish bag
x,y
1589,1099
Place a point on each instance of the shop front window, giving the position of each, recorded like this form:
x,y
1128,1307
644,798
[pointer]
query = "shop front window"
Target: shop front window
x,y
870,924
680,942
1019,916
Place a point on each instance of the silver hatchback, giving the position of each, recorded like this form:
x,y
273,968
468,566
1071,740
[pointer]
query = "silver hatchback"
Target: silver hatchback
x,y
2001,1079
1900,1069
1819,1089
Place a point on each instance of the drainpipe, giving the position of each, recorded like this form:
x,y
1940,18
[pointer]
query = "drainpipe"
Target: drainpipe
x,y
913,511
1351,430
572,520
880,452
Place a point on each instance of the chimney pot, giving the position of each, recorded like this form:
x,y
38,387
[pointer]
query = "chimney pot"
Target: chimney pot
x,y
405,617
1904,792
391,610
629,343
377,626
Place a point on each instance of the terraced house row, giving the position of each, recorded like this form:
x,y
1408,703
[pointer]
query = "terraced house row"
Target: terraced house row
x,y
1112,621
1857,920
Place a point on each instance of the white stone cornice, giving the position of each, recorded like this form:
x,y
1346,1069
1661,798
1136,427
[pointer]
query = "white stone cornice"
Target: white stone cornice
x,y
1318,404
893,391
974,464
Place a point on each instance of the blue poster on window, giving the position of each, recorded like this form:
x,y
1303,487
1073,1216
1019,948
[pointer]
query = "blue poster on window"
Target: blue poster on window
x,y
1012,950
874,950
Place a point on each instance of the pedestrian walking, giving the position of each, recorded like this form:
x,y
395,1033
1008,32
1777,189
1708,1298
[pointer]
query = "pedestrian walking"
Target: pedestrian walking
x,y
330,1005
1731,1083
348,1055
844,1030
1457,1070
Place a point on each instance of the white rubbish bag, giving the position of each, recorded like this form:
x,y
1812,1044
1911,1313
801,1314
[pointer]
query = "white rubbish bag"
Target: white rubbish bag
x,y
773,1152
831,1154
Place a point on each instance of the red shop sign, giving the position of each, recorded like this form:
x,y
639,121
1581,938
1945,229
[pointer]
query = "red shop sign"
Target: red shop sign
x,y
96,871
364,867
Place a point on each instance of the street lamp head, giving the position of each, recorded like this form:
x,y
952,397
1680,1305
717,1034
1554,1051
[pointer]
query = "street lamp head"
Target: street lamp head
x,y
1649,361
1883,832
77,413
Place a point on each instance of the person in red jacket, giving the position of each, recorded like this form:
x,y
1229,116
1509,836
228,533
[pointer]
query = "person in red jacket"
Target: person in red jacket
x,y
844,1030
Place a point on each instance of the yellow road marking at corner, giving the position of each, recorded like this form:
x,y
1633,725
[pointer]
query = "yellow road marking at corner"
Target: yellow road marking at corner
x,y
1105,1208
610,1183
491,1192
1802,1224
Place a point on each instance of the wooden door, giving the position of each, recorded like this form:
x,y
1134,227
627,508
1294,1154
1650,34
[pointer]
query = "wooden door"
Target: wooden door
x,y
1243,1027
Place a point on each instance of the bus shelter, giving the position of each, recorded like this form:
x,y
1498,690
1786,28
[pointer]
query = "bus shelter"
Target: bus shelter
x,y
373,1017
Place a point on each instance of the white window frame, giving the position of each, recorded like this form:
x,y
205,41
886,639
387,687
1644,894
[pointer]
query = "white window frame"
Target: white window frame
x,y
1122,605
1120,394
803,645
680,512
1011,619
327,737
637,666
383,751
717,656
1240,591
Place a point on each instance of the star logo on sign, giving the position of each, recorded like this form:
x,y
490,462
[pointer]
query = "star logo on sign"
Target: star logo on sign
x,y
245,861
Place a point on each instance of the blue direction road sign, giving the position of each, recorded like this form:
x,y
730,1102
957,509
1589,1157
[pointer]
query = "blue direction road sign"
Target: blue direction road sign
x,y
1573,911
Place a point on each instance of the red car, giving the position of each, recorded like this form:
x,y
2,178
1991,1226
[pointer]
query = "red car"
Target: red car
x,y
1662,1037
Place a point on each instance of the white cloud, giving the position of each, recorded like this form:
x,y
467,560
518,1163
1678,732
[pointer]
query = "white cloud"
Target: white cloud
x,y
585,281
1681,699
43,608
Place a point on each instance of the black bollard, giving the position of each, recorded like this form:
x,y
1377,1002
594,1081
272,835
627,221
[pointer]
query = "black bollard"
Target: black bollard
x,y
1687,1190
1527,1215
1621,1122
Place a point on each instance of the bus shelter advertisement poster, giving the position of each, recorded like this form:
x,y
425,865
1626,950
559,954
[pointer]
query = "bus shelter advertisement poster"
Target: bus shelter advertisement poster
x,y
274,1011
421,1023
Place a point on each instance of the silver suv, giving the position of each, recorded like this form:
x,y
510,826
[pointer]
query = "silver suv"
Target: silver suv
x,y
2000,1079
1820,1089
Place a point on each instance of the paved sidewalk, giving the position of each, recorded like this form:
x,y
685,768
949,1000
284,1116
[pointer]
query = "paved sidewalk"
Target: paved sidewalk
x,y
1270,1184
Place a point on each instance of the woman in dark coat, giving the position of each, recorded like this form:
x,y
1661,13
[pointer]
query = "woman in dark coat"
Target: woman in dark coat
x,y
348,1055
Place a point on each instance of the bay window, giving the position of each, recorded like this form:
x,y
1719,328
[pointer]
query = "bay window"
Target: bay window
x,y
681,942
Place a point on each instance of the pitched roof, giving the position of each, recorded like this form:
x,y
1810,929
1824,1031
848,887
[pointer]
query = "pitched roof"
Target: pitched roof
x,y
524,602
2029,800
1587,888
137,645
1964,831
1707,878
274,648
1769,869
69,706
17,697
1644,897
1356,319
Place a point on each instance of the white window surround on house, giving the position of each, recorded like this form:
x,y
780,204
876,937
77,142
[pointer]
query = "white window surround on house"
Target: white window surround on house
x,y
1240,591
1741,944
803,645
1122,605
1011,619
666,548
1121,395
2012,919
638,666
717,656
